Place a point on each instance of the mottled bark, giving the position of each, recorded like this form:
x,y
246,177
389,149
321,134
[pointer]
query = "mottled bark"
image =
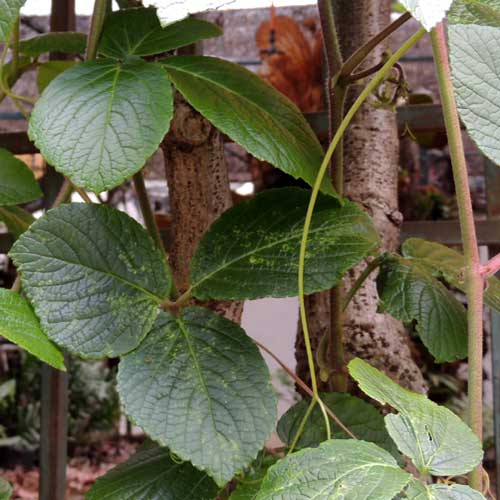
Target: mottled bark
x,y
371,178
198,190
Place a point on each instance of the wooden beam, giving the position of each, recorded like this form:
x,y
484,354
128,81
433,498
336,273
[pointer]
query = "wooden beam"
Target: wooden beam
x,y
448,232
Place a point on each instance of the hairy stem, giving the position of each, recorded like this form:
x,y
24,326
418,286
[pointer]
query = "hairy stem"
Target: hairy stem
x,y
473,277
319,179
147,212
98,15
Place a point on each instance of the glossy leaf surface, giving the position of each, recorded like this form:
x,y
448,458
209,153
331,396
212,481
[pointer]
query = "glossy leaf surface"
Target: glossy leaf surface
x,y
251,112
252,250
114,115
138,32
19,325
64,42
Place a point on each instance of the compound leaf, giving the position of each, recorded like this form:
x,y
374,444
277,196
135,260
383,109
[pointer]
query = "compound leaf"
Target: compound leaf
x,y
339,468
409,293
152,474
475,60
199,385
251,112
138,32
19,325
113,114
252,250
435,439
444,262
17,181
94,277
427,12
65,42
9,12
360,417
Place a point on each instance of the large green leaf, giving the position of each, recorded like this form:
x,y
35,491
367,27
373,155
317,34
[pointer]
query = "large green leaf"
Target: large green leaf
x,y
94,276
419,491
64,41
475,60
19,325
444,262
99,121
437,441
199,385
251,112
17,182
360,417
252,250
5,489
9,12
152,474
340,468
427,12
138,32
16,219
485,12
410,293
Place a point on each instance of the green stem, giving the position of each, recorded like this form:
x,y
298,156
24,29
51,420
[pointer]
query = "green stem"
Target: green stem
x,y
361,54
147,212
361,279
100,8
378,78
473,276
331,43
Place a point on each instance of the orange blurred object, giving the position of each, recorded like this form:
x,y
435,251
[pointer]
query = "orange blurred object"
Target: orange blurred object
x,y
291,61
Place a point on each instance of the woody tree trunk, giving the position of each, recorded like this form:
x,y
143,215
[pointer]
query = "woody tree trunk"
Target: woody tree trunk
x,y
198,190
371,173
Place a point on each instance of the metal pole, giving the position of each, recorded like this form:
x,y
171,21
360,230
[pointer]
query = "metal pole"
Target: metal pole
x,y
54,399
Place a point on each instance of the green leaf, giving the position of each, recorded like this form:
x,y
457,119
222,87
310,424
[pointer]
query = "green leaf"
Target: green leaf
x,y
9,12
50,70
5,487
251,112
360,417
199,385
94,276
427,12
16,219
114,115
138,32
66,42
419,491
340,468
475,61
152,474
17,181
249,486
252,250
484,12
409,293
437,441
19,324
448,264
